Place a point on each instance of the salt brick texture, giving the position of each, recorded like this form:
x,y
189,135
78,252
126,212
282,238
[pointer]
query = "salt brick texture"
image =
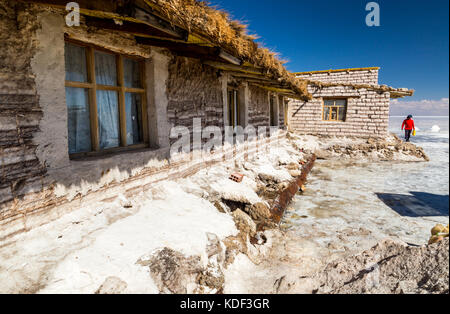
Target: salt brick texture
x,y
369,77
367,113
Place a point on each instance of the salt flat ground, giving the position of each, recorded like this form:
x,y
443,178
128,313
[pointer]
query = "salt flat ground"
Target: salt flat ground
x,y
349,207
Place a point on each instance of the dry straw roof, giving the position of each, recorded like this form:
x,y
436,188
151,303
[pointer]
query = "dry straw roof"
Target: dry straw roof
x,y
217,27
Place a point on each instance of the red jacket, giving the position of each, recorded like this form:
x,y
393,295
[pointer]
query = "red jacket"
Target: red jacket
x,y
408,124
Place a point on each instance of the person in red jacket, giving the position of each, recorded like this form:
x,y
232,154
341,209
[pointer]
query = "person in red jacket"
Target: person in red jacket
x,y
408,126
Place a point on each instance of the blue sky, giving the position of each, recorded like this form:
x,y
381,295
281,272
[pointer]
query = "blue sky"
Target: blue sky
x,y
411,46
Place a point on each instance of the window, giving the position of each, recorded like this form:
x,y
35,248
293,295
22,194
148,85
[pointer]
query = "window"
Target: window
x,y
286,112
234,109
106,100
334,109
273,111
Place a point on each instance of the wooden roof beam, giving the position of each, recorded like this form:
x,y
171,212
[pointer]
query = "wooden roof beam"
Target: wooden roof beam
x,y
234,68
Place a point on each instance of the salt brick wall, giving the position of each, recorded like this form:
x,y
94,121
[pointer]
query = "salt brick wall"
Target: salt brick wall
x,y
194,91
369,77
367,113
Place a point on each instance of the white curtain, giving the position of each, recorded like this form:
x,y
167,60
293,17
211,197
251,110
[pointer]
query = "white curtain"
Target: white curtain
x,y
75,61
108,119
107,101
79,128
133,118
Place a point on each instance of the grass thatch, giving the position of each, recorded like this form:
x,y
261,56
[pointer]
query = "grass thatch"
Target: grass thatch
x,y
217,26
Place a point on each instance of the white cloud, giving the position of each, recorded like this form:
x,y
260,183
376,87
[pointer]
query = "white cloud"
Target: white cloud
x,y
420,107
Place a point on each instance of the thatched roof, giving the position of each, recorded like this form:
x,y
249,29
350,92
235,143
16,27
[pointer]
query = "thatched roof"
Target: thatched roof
x,y
217,27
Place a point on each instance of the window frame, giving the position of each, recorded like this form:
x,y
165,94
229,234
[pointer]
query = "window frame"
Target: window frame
x,y
91,86
337,109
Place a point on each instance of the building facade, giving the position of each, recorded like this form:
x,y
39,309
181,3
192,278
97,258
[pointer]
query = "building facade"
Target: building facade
x,y
87,111
347,102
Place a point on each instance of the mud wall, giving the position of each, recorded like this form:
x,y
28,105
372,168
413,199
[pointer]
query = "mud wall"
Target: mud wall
x,y
20,112
38,180
36,172
258,109
194,90
367,113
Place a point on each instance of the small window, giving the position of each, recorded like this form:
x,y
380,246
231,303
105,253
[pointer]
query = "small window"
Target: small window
x,y
105,100
334,110
234,109
273,111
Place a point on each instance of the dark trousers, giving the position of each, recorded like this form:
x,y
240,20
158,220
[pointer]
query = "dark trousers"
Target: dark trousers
x,y
408,135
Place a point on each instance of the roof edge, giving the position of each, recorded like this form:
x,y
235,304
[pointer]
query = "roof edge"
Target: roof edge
x,y
337,70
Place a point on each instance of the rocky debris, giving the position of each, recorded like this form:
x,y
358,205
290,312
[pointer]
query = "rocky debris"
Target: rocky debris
x,y
259,212
293,166
174,273
213,276
374,148
112,285
295,173
269,174
323,154
439,233
390,268
171,271
234,245
220,207
236,192
244,223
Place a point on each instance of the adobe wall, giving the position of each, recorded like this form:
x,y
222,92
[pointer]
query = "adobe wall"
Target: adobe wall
x,y
258,111
20,111
39,182
194,90
36,171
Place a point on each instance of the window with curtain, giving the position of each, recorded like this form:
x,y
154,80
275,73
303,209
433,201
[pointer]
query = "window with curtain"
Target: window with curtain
x,y
334,110
105,98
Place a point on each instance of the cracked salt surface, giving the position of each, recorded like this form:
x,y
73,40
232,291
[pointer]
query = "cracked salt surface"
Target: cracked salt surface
x,y
350,207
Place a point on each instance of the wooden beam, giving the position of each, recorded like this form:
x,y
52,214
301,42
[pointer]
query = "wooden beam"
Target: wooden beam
x,y
213,54
128,27
161,24
234,68
230,58
275,89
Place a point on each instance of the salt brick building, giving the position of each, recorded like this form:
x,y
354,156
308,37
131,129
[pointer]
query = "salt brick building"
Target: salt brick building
x,y
346,102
